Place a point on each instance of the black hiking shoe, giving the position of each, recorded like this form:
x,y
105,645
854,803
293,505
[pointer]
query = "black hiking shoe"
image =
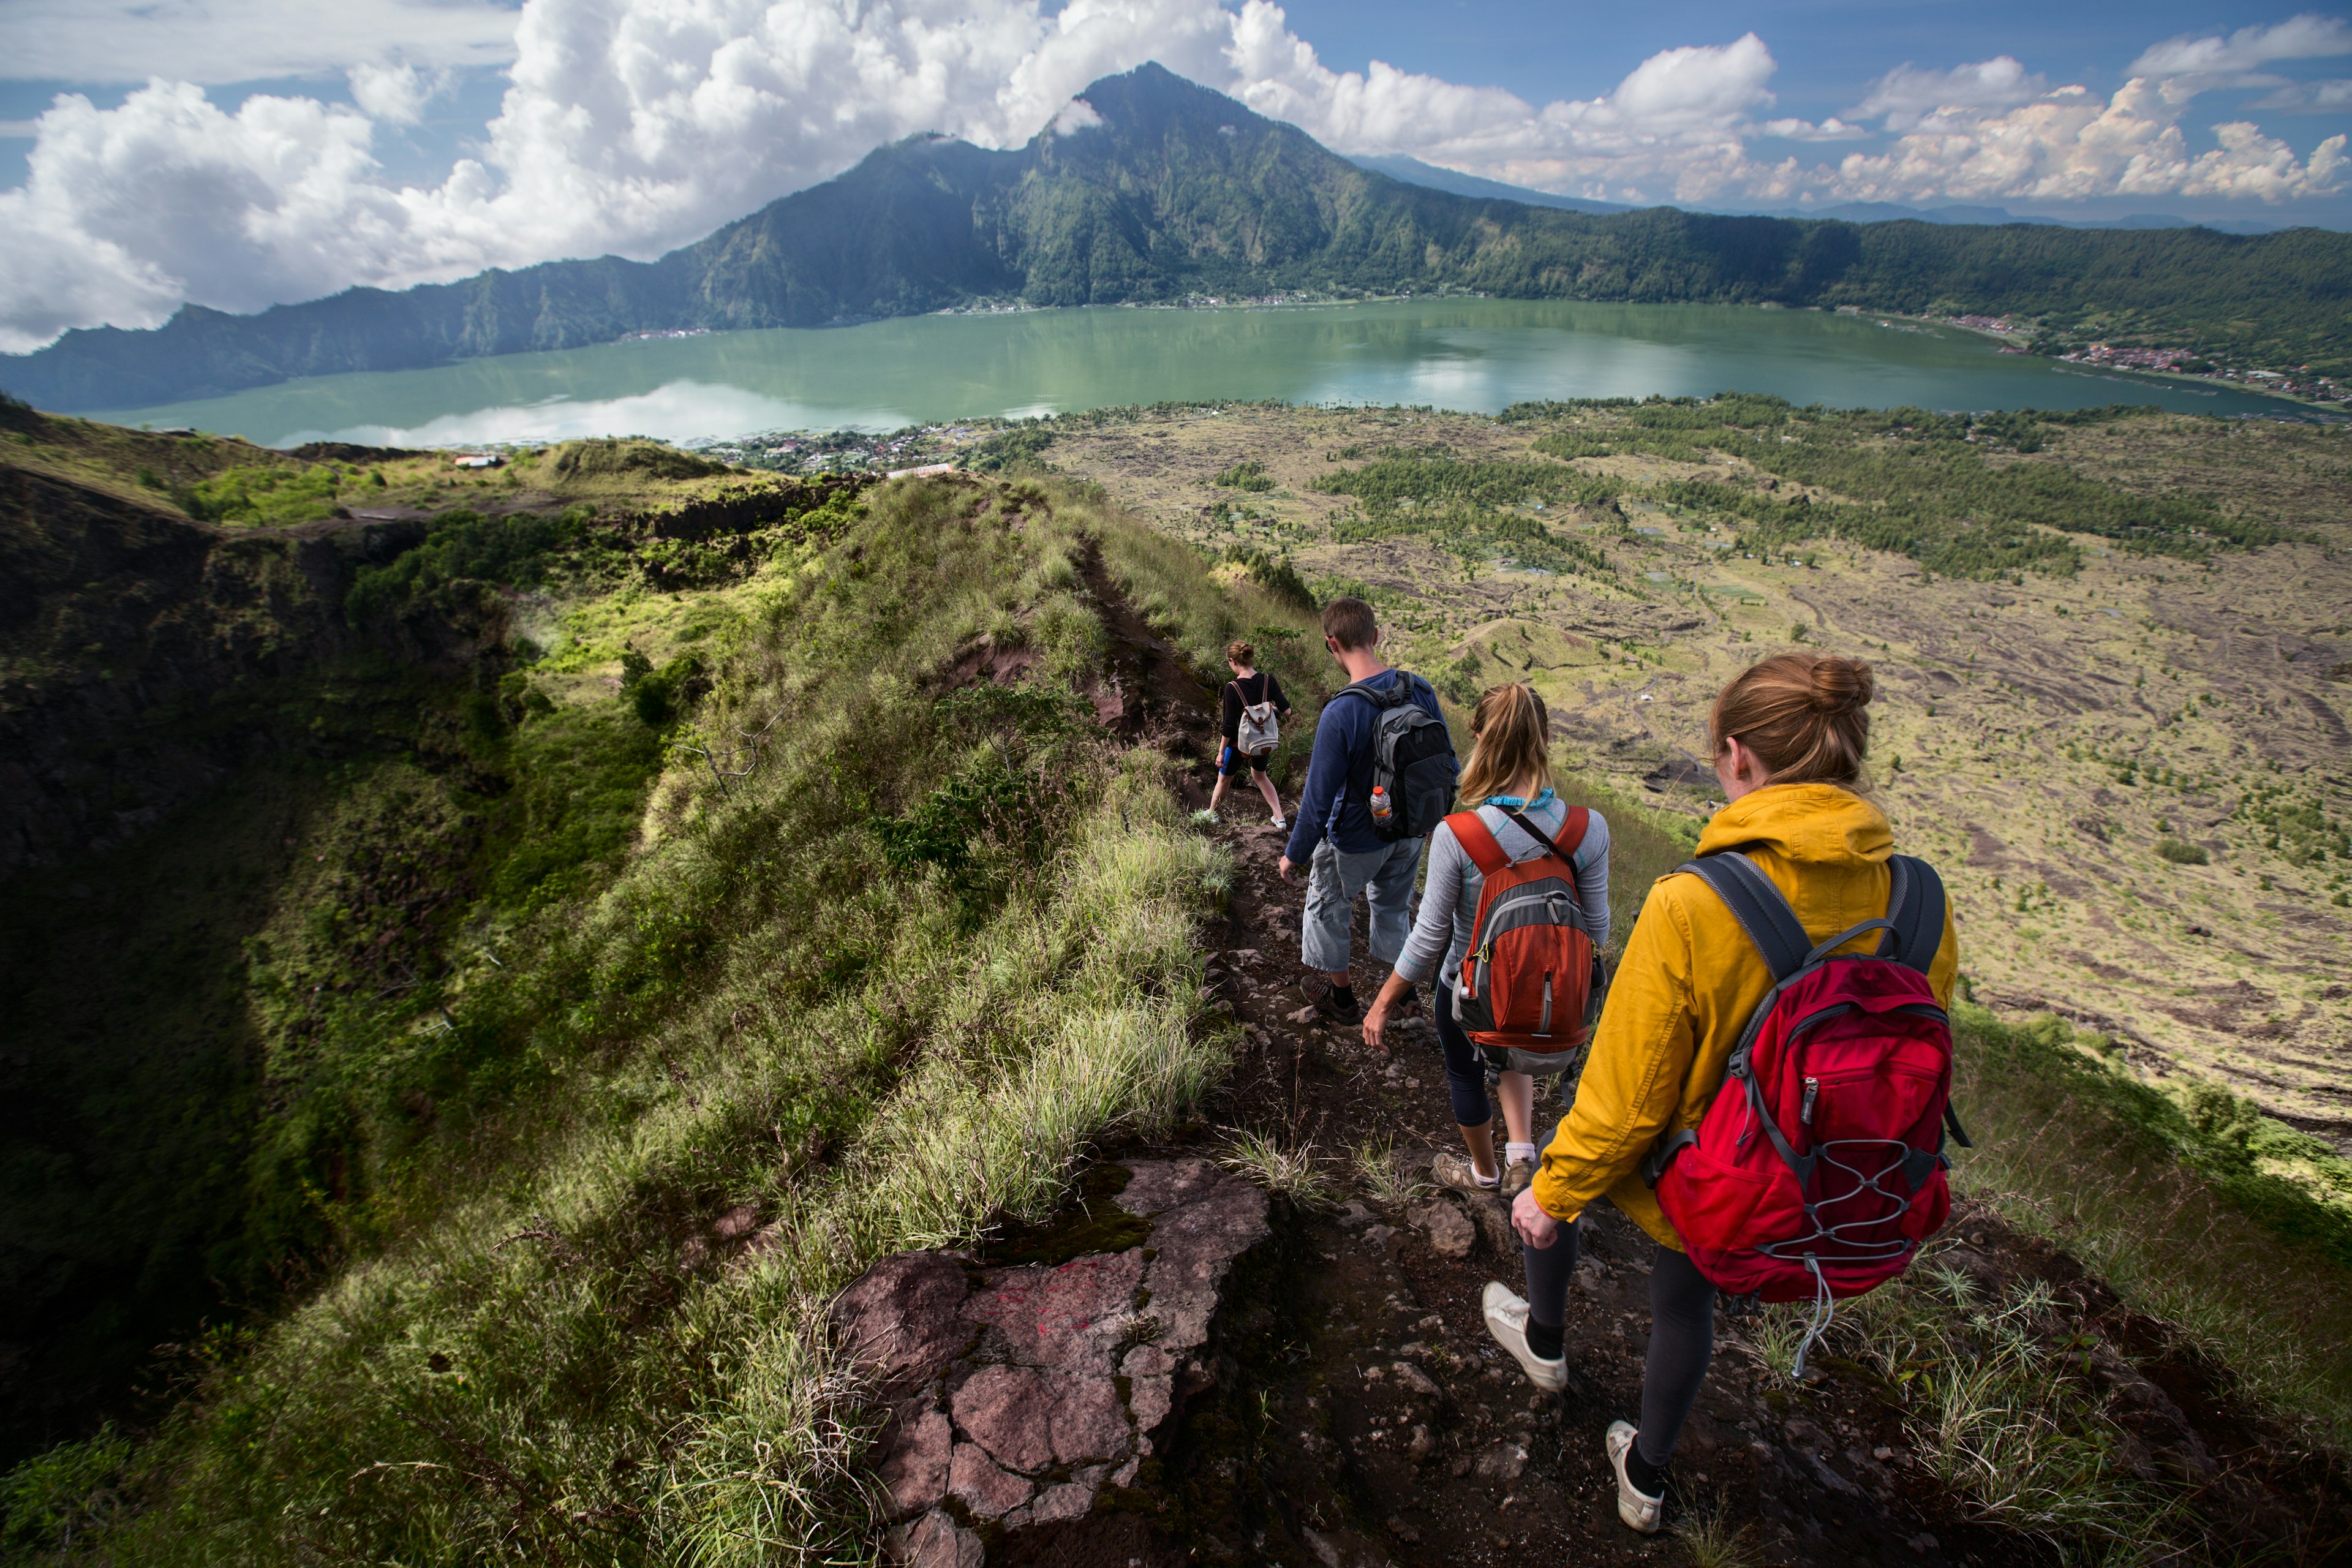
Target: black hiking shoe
x,y
1329,1004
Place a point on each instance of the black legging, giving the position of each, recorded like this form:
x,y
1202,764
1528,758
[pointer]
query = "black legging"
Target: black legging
x,y
1682,1332
1466,1068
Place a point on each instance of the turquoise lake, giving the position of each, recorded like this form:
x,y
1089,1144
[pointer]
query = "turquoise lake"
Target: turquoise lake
x,y
1469,354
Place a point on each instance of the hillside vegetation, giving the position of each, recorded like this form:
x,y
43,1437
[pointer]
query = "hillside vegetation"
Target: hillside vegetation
x,y
1180,192
647,893
600,1093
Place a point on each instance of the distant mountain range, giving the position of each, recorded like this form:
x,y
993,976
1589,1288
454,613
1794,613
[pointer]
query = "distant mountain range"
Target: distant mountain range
x,y
1180,191
1413,172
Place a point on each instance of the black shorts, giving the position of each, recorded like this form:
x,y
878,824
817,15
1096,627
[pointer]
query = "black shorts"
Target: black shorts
x,y
1229,760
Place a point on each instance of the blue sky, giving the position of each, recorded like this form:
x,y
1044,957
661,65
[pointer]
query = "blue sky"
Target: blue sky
x,y
241,152
1829,50
1830,54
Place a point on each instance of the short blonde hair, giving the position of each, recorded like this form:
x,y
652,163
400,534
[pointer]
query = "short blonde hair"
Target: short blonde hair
x,y
1513,731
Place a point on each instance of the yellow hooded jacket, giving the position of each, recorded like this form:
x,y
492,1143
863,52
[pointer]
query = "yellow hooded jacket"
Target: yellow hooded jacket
x,y
1690,978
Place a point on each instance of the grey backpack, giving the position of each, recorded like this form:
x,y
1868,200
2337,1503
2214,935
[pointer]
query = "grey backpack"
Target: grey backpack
x,y
1413,766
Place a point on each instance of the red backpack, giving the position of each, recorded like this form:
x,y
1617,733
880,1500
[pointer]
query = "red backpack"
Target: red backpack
x,y
1818,1168
1531,974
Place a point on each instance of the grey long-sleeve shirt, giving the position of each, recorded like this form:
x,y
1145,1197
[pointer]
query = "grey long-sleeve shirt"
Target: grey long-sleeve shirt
x,y
1449,900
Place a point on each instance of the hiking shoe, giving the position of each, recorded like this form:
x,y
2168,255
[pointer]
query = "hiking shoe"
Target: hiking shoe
x,y
1408,1005
1517,1177
1453,1170
1281,823
1326,1003
1205,818
1637,1508
1506,1319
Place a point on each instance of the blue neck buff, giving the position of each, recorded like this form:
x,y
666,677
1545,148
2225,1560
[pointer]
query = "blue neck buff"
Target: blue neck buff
x,y
1517,802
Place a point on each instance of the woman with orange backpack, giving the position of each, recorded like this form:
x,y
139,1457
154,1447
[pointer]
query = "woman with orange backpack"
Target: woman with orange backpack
x,y
1801,959
1551,862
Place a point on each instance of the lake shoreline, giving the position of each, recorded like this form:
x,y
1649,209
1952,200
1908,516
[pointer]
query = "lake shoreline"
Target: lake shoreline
x,y
1459,351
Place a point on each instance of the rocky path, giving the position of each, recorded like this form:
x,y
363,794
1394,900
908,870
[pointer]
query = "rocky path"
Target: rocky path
x,y
1333,1398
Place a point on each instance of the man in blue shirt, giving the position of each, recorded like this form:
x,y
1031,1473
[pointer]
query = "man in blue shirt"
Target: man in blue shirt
x,y
1332,833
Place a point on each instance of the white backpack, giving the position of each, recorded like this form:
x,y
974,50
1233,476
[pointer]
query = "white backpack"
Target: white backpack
x,y
1259,730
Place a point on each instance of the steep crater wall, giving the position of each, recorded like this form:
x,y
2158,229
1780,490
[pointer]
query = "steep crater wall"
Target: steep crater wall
x,y
144,655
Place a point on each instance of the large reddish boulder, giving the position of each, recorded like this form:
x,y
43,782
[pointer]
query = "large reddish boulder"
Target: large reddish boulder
x,y
1005,1384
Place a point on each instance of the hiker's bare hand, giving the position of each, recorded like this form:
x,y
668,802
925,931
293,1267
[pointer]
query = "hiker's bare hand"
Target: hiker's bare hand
x,y
1376,1022
1536,1228
1287,868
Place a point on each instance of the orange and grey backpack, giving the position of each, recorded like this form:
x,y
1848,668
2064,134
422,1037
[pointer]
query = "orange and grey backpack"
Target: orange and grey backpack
x,y
1530,974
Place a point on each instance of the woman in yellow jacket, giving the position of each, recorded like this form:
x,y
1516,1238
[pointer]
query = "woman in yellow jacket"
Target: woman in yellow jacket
x,y
1790,735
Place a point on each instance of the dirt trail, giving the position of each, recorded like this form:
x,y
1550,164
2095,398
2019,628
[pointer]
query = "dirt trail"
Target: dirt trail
x,y
1361,1417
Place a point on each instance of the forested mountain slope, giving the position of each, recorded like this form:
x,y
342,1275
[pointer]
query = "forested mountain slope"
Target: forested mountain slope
x,y
1180,190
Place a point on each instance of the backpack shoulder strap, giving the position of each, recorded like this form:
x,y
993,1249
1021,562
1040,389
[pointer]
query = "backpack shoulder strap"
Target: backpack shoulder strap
x,y
1915,909
1572,832
1563,848
1471,832
1759,908
1377,698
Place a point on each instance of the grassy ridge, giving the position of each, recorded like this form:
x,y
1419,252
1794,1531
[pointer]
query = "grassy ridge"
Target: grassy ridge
x,y
812,1019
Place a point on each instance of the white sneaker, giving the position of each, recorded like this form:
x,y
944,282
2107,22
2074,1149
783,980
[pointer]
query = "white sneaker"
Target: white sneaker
x,y
1281,823
1637,1508
1205,818
1506,1319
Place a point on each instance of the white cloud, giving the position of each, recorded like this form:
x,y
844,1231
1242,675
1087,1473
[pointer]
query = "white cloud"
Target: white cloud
x,y
1075,116
2309,97
2217,61
1830,130
397,95
1906,95
632,126
1673,124
212,42
2071,147
128,211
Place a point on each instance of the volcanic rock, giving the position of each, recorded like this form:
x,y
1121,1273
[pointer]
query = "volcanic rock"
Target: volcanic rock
x,y
1023,1391
1450,1230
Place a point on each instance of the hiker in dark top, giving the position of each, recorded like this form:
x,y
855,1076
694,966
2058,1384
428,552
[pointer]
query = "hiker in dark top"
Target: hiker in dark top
x,y
1250,688
1332,834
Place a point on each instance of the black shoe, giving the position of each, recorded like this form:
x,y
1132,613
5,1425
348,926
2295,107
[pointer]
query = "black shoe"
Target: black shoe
x,y
1330,1004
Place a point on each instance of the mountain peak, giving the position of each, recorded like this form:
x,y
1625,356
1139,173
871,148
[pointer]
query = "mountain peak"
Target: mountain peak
x,y
1151,96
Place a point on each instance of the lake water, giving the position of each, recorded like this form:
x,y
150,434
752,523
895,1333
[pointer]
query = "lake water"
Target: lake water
x,y
1470,354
